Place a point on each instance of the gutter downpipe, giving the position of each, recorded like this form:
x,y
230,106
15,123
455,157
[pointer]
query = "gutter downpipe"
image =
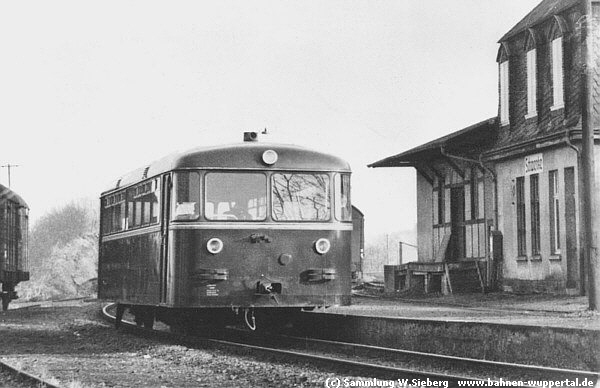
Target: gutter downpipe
x,y
479,162
590,209
582,215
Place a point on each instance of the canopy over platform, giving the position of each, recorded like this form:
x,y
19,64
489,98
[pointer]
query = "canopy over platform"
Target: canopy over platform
x,y
471,140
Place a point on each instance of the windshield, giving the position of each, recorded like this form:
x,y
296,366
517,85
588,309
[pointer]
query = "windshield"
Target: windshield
x,y
236,196
300,197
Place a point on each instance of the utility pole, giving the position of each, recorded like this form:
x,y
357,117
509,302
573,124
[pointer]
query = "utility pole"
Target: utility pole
x,y
8,166
589,200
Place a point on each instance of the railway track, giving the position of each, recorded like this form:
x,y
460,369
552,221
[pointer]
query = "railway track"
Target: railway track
x,y
372,361
24,379
20,376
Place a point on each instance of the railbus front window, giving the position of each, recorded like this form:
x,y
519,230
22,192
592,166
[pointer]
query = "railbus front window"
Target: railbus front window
x,y
236,196
343,207
186,204
301,197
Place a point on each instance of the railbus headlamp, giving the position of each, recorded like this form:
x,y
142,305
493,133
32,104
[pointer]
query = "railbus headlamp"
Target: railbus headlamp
x,y
322,246
214,245
270,157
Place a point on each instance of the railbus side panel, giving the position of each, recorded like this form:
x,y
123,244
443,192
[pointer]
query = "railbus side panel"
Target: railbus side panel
x,y
130,269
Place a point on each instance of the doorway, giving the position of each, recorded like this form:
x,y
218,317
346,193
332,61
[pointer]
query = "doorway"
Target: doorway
x,y
457,224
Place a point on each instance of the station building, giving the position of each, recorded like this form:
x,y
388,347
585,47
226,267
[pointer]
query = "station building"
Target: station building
x,y
498,202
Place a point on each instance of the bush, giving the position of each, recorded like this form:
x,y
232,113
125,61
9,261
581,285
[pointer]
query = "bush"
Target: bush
x,y
63,254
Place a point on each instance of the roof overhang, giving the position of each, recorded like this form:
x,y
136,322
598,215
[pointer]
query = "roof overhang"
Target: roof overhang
x,y
469,141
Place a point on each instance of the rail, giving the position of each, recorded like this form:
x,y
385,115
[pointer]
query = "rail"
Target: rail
x,y
372,361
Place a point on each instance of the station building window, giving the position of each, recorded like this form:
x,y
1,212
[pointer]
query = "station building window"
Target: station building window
x,y
534,192
557,74
521,230
531,83
530,49
504,93
554,212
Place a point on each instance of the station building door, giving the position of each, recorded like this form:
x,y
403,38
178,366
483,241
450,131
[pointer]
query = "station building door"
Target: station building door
x,y
457,223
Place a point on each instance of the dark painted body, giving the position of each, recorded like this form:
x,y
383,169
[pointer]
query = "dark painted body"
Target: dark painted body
x,y
13,243
250,263
264,264
130,268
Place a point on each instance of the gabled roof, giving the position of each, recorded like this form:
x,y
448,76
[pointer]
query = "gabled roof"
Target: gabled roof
x,y
468,140
543,11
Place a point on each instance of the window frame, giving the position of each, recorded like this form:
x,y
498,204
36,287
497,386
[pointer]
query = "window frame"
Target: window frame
x,y
531,83
554,211
340,175
521,217
173,196
558,95
141,208
534,195
504,69
330,194
204,187
115,198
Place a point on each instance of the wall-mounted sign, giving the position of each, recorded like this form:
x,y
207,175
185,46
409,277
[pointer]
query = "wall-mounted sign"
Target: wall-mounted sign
x,y
534,164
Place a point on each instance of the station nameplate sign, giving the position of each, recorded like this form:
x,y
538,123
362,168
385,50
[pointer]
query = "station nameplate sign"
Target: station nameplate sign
x,y
534,164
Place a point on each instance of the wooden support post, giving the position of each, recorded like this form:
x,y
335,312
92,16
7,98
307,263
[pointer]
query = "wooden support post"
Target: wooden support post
x,y
447,270
480,277
400,252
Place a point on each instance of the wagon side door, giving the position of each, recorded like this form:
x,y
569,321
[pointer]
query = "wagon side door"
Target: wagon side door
x,y
164,235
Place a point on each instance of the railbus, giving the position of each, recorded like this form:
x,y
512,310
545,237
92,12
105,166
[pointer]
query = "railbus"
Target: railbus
x,y
251,231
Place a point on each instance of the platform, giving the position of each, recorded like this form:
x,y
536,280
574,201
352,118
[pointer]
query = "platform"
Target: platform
x,y
535,329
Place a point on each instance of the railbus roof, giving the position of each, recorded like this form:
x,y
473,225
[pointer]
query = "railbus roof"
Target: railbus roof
x,y
239,156
7,194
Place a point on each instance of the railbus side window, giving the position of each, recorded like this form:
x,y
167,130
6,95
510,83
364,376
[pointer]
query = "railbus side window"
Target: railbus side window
x,y
300,197
143,203
186,191
113,215
236,196
343,207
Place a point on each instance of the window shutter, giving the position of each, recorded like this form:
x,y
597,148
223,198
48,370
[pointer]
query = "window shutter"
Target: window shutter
x,y
531,83
504,118
557,73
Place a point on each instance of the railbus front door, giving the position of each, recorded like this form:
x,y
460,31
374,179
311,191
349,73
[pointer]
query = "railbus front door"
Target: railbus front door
x,y
164,235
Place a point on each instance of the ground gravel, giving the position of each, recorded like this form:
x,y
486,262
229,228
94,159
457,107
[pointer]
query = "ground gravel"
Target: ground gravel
x,y
71,345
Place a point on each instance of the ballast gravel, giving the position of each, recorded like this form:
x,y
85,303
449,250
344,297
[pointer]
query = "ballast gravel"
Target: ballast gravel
x,y
71,345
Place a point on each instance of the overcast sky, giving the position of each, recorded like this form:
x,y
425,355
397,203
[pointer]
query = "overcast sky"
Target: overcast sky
x,y
92,90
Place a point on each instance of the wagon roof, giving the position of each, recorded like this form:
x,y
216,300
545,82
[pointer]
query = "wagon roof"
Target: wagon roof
x,y
237,156
8,194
